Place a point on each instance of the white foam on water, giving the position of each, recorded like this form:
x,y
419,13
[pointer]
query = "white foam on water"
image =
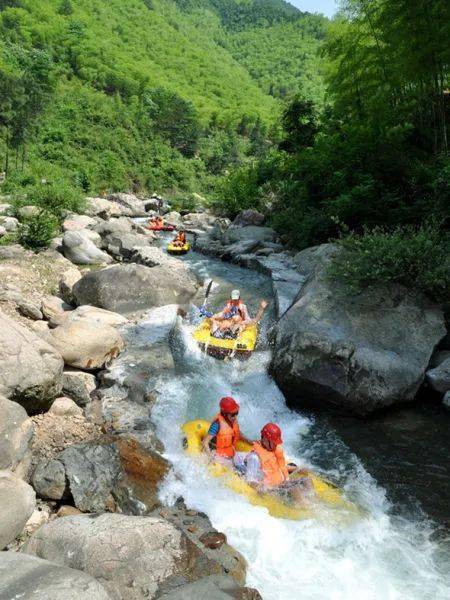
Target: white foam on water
x,y
371,558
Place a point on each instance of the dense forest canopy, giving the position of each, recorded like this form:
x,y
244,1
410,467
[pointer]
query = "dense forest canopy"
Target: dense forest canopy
x,y
149,93
326,126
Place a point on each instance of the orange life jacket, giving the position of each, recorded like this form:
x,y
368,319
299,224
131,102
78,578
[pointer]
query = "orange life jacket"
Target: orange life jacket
x,y
227,437
273,465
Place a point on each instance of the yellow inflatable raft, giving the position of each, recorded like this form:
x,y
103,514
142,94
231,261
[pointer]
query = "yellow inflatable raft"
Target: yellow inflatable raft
x,y
328,496
171,249
241,347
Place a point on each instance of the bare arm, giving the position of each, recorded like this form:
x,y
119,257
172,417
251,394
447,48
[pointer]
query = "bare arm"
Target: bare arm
x,y
205,444
259,314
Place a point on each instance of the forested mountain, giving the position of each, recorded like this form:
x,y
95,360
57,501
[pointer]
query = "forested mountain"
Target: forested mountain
x,y
147,93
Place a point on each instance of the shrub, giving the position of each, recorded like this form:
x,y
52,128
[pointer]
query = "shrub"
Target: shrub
x,y
414,257
56,198
38,231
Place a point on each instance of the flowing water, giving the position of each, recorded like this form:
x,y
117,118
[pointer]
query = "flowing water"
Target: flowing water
x,y
383,554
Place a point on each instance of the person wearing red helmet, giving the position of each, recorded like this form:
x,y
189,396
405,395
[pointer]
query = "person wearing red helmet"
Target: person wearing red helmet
x,y
266,469
224,432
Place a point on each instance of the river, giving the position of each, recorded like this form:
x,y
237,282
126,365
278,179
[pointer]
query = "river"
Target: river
x,y
393,551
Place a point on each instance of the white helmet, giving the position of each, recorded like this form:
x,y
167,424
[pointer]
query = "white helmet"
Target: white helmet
x,y
235,295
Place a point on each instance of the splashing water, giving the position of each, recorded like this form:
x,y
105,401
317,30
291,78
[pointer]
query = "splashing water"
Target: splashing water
x,y
377,556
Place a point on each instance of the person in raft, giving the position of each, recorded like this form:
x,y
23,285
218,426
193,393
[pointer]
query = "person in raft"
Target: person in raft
x,y
265,468
157,221
224,433
180,239
234,317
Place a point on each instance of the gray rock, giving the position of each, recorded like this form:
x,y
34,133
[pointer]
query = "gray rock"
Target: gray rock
x,y
198,221
31,372
5,208
11,224
79,385
2,231
65,407
439,377
249,232
26,212
174,218
121,225
31,578
16,433
233,251
123,245
358,352
248,217
131,205
127,288
104,208
219,228
133,557
81,250
49,479
13,252
29,310
214,587
55,310
74,222
85,343
66,283
17,503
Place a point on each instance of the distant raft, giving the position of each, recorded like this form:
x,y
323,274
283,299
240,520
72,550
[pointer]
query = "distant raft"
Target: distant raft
x,y
153,227
328,496
171,249
241,347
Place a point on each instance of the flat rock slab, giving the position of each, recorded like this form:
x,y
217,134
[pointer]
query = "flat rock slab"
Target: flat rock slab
x,y
27,577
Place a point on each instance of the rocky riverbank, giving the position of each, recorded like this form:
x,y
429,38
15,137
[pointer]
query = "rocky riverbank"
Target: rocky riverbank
x,y
81,463
333,348
80,456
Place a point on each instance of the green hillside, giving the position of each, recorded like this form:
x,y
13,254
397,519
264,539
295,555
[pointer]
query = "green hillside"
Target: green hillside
x,y
146,93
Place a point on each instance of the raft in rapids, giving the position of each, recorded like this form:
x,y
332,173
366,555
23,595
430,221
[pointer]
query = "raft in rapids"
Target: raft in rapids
x,y
328,496
171,249
241,347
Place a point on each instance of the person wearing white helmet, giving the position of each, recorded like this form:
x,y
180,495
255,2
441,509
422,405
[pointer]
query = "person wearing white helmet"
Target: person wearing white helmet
x,y
234,317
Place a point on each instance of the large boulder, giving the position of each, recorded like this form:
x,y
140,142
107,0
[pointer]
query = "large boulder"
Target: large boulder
x,y
81,250
16,432
17,503
123,245
358,352
133,557
121,225
174,218
102,475
131,205
100,207
198,221
439,377
74,222
31,369
249,232
248,217
127,288
31,578
85,343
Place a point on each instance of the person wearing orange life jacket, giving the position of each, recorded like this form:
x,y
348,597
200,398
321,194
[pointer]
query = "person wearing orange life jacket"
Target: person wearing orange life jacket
x,y
224,433
266,469
234,317
179,239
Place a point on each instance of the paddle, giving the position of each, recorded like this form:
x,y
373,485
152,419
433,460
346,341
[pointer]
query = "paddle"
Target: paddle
x,y
202,308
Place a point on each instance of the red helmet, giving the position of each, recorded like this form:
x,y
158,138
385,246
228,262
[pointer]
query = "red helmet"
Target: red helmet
x,y
229,405
272,432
